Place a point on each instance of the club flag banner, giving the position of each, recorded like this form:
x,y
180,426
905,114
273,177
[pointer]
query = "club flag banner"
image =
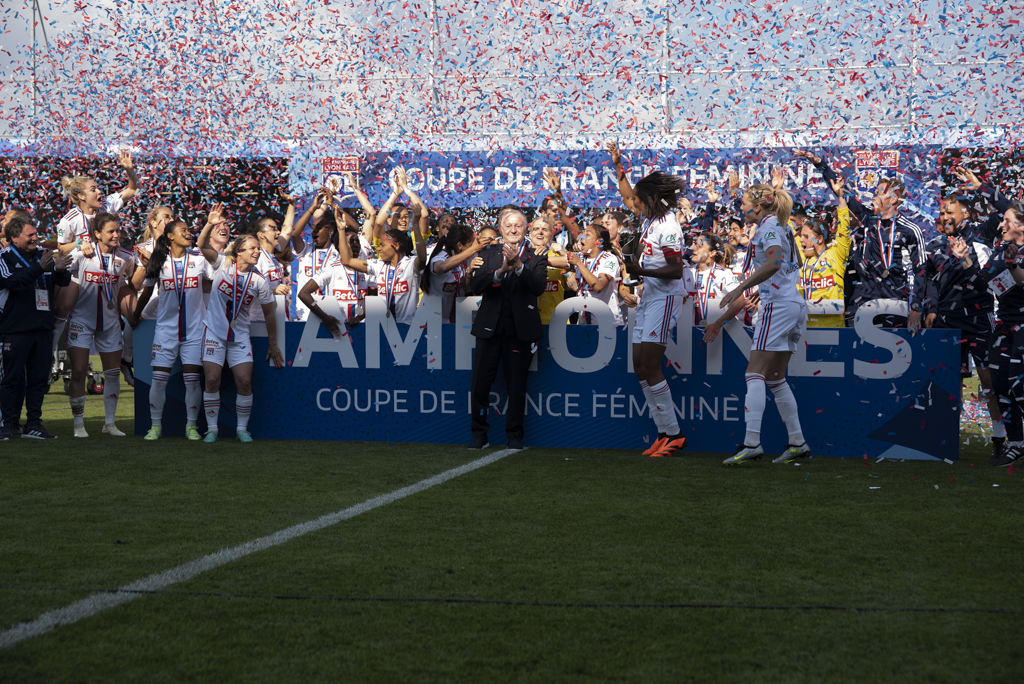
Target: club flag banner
x,y
588,177
862,391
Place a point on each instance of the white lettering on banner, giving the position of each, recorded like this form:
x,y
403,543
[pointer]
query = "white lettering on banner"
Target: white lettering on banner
x,y
455,177
606,335
678,352
311,344
569,178
524,178
590,179
735,331
800,366
438,183
476,178
503,178
428,317
864,324
414,175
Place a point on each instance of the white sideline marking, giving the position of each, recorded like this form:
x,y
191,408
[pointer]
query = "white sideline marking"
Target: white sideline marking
x,y
97,602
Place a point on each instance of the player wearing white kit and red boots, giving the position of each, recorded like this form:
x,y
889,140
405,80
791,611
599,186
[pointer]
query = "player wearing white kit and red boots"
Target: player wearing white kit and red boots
x,y
107,281
237,287
773,256
177,272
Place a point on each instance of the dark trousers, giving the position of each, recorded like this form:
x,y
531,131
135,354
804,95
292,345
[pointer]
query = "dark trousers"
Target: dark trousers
x,y
515,356
24,371
1006,365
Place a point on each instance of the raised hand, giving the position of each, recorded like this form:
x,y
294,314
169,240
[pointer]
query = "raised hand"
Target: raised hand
x,y
285,196
713,194
401,180
809,156
352,181
960,248
61,262
46,260
573,258
124,158
778,177
216,216
838,186
553,179
613,149
967,177
734,181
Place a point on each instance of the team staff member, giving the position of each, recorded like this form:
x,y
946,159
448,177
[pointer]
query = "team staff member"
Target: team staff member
x,y
949,297
507,325
889,250
1007,352
28,276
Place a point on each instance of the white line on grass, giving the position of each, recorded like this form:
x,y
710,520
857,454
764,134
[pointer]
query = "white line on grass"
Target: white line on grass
x,y
98,602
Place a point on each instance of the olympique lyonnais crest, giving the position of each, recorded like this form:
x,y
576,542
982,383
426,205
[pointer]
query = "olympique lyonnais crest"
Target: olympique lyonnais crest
x,y
331,169
872,166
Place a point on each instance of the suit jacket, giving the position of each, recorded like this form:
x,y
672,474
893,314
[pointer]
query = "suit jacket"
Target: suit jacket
x,y
521,290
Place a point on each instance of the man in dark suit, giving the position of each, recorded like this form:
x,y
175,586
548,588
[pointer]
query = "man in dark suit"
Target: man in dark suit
x,y
507,325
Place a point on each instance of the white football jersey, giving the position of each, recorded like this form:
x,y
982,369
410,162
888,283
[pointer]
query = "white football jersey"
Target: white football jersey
x,y
181,308
446,285
399,286
99,279
271,269
75,224
781,287
346,285
711,286
313,261
605,263
659,239
232,297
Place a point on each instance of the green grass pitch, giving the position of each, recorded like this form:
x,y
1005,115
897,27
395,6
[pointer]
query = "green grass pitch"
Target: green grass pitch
x,y
548,565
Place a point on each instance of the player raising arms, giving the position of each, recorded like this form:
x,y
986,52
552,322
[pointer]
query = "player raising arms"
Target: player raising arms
x,y
73,231
661,264
772,254
346,285
177,272
447,268
103,279
273,242
237,285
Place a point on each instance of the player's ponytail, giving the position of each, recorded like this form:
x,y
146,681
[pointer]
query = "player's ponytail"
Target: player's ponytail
x,y
777,202
73,187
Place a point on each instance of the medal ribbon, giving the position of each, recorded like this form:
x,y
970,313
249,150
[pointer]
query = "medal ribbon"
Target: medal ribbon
x,y
807,275
704,290
179,289
108,276
389,284
236,299
584,286
28,265
886,254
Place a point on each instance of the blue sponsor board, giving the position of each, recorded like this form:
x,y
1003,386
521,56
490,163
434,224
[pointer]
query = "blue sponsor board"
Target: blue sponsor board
x,y
588,177
861,392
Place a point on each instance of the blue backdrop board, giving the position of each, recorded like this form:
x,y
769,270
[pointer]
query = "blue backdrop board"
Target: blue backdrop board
x,y
863,391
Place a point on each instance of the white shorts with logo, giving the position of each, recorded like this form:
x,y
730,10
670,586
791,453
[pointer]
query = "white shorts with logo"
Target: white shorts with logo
x,y
167,349
84,337
779,326
655,318
216,350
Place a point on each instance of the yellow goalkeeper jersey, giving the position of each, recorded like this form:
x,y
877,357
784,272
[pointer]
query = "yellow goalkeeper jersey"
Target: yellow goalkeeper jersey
x,y
821,279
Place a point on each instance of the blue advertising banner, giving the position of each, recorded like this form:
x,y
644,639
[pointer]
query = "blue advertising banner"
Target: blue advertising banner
x,y
492,179
862,391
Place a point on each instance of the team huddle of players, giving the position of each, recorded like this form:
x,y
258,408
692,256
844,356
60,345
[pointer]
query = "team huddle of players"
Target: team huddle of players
x,y
780,271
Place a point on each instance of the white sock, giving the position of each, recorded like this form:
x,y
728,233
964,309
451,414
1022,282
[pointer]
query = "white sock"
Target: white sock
x,y
1015,444
753,408
211,405
786,403
128,344
157,397
193,397
111,391
998,428
78,410
243,407
655,416
58,330
663,405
